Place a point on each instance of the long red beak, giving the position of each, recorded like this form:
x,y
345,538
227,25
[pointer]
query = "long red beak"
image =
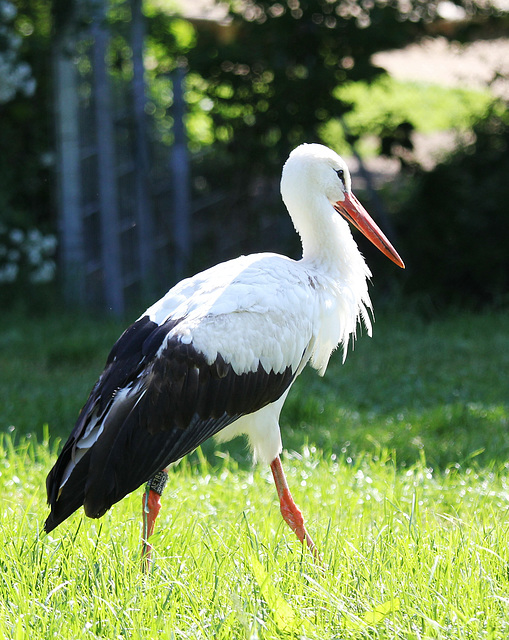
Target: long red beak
x,y
351,209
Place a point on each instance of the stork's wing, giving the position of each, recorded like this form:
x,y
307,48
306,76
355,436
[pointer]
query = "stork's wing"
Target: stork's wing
x,y
153,404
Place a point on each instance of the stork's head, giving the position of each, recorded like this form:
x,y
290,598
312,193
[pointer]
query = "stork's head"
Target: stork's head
x,y
314,171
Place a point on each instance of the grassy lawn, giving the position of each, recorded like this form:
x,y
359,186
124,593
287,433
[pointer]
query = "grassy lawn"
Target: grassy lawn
x,y
398,458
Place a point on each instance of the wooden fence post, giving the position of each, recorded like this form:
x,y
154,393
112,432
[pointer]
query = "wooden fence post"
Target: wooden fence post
x,y
180,173
108,196
144,214
70,225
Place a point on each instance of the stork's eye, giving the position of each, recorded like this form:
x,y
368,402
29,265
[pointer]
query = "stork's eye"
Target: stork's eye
x,y
341,175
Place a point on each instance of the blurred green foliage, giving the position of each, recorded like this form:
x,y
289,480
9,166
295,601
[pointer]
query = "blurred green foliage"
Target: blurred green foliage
x,y
454,225
26,140
271,80
386,103
273,75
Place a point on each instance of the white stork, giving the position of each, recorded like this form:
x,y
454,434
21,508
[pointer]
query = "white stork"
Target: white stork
x,y
217,355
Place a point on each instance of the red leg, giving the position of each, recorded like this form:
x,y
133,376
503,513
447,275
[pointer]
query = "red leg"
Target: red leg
x,y
151,508
289,510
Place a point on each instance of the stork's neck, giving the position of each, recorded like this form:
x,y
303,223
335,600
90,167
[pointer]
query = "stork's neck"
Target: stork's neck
x,y
327,241
331,253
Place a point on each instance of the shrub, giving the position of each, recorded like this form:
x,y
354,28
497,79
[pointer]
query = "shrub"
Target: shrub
x,y
454,226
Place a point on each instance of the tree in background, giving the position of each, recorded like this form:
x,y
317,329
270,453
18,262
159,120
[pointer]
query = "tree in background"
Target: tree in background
x,y
26,253
454,225
26,140
271,80
255,89
271,83
271,76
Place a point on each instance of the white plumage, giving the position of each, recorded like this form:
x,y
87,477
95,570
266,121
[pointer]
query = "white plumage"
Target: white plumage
x,y
219,352
261,309
266,308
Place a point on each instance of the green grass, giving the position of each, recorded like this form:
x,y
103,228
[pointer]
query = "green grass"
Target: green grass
x,y
411,518
438,387
410,555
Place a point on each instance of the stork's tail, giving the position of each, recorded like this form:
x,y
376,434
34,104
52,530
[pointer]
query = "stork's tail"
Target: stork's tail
x,y
66,500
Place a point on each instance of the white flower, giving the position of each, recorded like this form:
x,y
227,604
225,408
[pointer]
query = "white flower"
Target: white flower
x,y
16,236
34,256
8,272
7,11
30,252
34,236
48,244
15,75
45,273
15,43
13,255
47,159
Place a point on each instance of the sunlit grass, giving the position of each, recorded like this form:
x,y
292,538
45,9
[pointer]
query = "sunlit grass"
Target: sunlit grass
x,y
398,459
413,554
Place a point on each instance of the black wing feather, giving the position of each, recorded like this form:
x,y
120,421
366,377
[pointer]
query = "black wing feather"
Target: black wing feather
x,y
127,359
176,401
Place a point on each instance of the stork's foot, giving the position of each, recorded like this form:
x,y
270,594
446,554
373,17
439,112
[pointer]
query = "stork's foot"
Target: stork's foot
x,y
289,510
151,508
293,516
